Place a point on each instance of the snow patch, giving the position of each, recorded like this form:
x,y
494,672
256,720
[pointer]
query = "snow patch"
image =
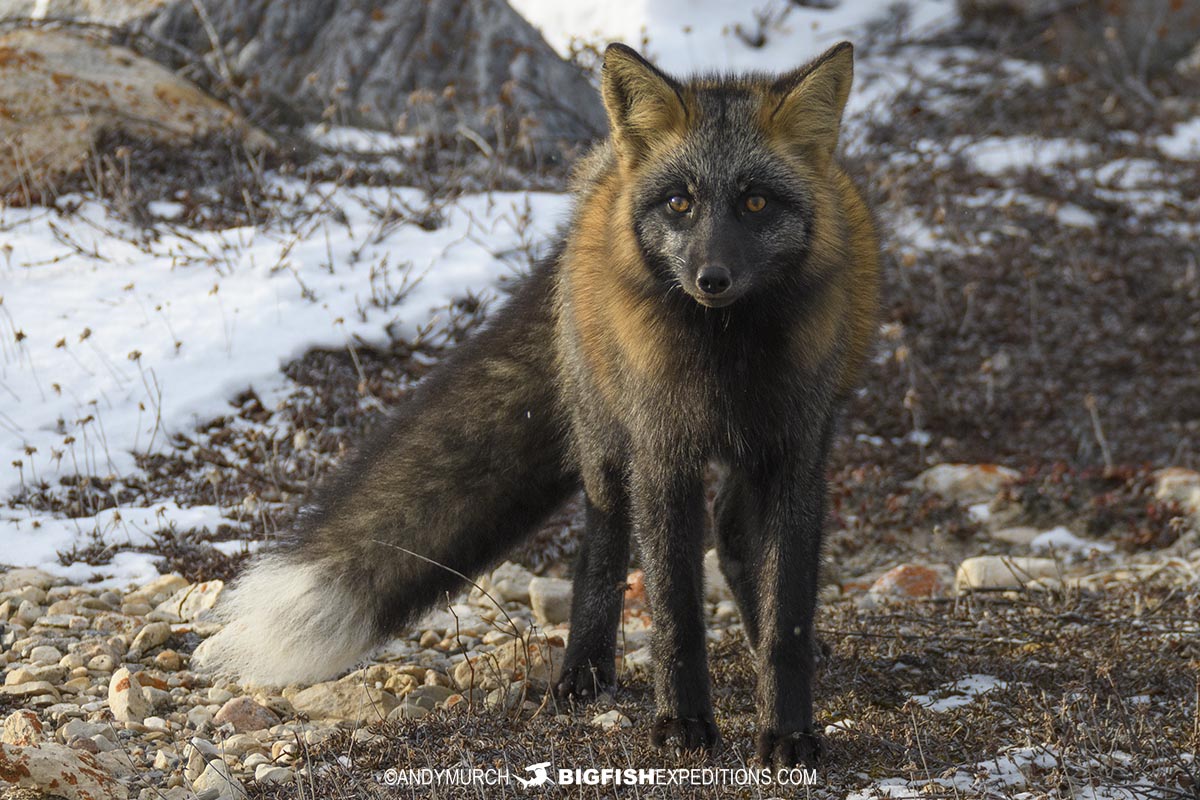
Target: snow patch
x,y
960,692
996,155
1183,142
1061,541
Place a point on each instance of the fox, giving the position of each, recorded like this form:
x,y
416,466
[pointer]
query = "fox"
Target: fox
x,y
711,301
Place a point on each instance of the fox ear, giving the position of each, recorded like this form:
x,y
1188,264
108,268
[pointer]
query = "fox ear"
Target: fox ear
x,y
644,105
810,100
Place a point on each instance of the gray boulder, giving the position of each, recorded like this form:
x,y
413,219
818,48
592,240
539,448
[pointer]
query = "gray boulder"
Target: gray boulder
x,y
470,68
1127,40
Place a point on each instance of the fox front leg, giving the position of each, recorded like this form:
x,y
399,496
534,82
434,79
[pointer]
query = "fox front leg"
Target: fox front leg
x,y
793,501
601,569
668,519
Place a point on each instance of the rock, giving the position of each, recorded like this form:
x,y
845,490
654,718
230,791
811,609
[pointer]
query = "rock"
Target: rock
x,y
78,728
635,589
716,588
16,579
111,12
29,689
245,715
60,92
1128,40
1022,8
64,607
408,710
74,622
636,630
429,697
506,698
86,745
136,609
152,635
22,728
508,582
45,654
242,743
611,719
984,573
28,612
125,697
72,661
639,661
909,581
200,716
60,771
189,603
169,660
410,65
537,661
254,759
157,590
965,483
218,695
347,699
102,663
157,724
550,599
1178,485
17,676
268,774
216,776
726,611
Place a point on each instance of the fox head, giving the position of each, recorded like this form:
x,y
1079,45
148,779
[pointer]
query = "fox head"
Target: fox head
x,y
727,176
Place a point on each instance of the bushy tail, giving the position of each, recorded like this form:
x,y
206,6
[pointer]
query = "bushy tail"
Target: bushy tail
x,y
473,462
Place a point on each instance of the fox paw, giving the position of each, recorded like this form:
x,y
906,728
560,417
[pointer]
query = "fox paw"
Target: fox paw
x,y
686,733
783,750
585,682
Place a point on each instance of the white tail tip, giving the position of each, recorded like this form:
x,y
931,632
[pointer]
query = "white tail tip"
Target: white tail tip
x,y
286,623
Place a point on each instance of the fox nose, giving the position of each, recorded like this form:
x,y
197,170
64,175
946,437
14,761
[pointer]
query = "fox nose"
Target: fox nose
x,y
714,280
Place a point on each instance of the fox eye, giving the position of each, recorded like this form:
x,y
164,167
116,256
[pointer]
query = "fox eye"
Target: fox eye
x,y
755,203
679,204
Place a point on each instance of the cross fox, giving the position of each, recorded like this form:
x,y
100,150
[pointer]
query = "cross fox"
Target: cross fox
x,y
712,300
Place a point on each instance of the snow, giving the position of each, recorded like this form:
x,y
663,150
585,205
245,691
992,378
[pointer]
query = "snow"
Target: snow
x,y
980,512
111,343
959,693
1183,142
358,140
685,36
1075,217
1001,776
1062,542
840,727
37,539
996,155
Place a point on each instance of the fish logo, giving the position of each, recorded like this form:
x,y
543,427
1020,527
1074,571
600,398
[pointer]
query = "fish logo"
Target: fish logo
x,y
540,775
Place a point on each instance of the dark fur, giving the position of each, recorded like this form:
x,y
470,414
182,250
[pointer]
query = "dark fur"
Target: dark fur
x,y
608,368
469,466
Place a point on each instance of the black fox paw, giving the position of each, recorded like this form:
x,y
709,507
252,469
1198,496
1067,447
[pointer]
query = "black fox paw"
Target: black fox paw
x,y
784,750
687,733
585,682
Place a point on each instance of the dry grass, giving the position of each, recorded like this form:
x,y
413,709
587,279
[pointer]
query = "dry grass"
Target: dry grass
x,y
1102,684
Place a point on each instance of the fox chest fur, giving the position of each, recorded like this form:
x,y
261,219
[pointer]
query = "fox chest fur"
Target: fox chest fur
x,y
641,357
